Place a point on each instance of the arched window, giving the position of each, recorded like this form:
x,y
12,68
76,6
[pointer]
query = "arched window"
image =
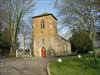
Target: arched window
x,y
42,24
42,40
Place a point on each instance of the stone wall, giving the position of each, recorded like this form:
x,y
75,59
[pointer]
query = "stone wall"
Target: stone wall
x,y
61,46
47,37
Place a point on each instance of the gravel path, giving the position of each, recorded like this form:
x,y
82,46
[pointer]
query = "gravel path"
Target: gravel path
x,y
23,66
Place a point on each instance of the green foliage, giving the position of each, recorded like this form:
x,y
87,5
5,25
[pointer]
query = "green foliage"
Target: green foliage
x,y
81,42
81,15
4,41
5,45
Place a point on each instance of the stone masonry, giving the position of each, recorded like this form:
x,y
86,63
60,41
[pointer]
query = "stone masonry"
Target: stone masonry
x,y
45,36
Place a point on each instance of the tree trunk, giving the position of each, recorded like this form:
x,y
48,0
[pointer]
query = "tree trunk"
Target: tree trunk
x,y
11,49
12,52
24,40
75,52
94,52
94,56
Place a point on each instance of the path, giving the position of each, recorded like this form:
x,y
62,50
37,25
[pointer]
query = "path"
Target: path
x,y
23,66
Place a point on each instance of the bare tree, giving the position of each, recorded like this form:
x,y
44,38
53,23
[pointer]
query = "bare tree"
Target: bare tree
x,y
18,9
80,15
25,34
15,11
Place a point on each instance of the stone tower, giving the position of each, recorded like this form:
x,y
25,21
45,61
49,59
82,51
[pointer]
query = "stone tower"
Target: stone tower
x,y
46,40
45,30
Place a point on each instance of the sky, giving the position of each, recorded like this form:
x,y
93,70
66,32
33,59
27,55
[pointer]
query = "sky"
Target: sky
x,y
49,6
43,6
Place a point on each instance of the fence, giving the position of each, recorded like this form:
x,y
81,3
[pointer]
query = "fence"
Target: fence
x,y
23,53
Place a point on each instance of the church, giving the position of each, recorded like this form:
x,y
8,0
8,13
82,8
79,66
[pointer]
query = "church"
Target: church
x,y
47,42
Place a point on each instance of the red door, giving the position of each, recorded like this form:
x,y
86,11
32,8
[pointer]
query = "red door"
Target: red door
x,y
43,52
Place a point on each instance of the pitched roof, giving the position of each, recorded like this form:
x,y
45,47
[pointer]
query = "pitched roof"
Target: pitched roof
x,y
45,14
63,38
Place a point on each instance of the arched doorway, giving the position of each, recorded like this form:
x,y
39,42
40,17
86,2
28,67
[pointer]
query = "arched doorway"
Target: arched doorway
x,y
43,52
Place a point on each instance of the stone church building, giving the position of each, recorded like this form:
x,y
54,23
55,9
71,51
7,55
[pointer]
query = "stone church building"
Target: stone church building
x,y
47,42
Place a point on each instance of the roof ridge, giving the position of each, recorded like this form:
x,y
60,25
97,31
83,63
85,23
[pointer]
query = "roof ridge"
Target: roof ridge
x,y
45,14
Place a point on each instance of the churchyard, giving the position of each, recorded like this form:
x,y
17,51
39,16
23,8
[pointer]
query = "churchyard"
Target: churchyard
x,y
84,65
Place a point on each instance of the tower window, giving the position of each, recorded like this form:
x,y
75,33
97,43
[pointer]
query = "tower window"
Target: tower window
x,y
43,40
42,24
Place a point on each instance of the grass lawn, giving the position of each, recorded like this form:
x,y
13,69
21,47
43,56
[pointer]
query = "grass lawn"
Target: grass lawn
x,y
75,66
97,49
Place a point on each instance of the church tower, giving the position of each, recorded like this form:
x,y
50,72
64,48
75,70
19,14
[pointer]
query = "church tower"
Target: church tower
x,y
44,32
